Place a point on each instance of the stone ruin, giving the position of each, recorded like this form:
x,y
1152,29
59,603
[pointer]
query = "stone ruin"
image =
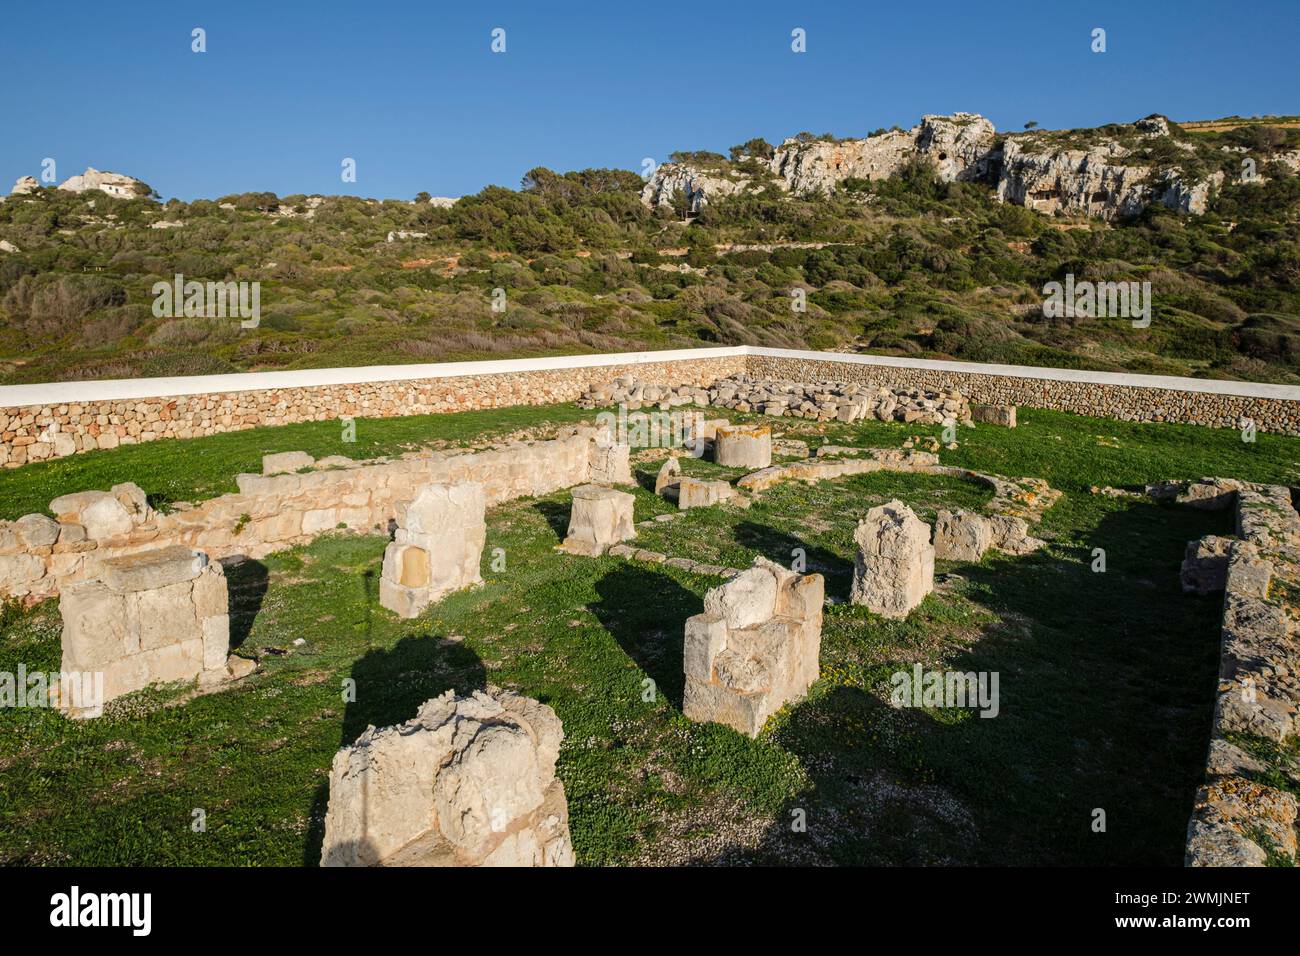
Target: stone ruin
x,y
149,618
1004,415
756,647
894,567
1240,816
469,781
780,397
743,446
965,536
295,500
598,518
436,549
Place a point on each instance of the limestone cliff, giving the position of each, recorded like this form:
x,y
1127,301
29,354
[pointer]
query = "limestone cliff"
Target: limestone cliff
x,y
1108,173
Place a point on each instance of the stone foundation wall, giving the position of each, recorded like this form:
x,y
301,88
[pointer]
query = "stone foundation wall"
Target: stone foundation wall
x,y
1240,815
272,512
1102,397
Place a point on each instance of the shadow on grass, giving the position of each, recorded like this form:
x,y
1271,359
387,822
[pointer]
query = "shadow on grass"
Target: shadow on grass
x,y
1106,690
246,582
646,610
556,514
391,684
779,546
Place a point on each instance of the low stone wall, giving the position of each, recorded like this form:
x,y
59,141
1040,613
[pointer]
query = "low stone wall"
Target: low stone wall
x,y
39,422
271,512
1085,393
1240,817
55,429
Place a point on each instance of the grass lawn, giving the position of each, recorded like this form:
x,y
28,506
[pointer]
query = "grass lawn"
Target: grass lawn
x,y
1106,679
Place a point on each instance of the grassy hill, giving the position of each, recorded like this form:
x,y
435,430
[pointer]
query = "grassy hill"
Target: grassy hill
x,y
906,266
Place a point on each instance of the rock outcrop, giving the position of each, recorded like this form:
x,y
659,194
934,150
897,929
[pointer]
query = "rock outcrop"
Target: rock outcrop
x,y
114,184
25,185
469,781
959,147
1097,177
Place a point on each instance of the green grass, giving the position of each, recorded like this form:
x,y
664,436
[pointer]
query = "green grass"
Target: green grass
x,y
1106,680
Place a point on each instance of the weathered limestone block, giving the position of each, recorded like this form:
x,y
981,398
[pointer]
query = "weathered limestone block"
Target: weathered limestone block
x,y
102,514
743,446
961,536
1205,565
1011,534
286,462
696,493
148,618
669,476
599,517
1004,415
894,568
36,531
437,548
755,648
469,781
611,462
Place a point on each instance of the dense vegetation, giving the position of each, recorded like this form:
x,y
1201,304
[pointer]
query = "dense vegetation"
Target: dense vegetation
x,y
903,266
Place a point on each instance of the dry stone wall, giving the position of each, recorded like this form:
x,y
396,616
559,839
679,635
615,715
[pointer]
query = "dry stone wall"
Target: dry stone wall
x,y
1241,817
57,429
38,423
39,555
1099,398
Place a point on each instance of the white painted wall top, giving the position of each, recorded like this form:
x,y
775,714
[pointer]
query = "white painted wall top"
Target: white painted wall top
x,y
62,393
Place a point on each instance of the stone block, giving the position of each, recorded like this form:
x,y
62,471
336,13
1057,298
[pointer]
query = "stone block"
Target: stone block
x,y
469,781
1205,565
894,568
743,446
697,493
286,462
149,570
599,517
437,549
961,536
1004,415
755,648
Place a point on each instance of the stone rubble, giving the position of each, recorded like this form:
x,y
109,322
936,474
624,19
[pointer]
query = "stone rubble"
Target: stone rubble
x,y
436,549
821,401
469,781
755,647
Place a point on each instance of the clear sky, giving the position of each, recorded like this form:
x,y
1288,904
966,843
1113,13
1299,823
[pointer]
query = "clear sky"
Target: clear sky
x,y
412,91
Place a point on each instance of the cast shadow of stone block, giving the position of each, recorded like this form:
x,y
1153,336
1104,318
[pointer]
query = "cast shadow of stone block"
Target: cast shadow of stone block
x,y
391,684
646,610
246,581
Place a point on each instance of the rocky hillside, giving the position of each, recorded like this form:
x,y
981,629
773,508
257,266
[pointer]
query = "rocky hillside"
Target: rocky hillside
x,y
936,241
1109,174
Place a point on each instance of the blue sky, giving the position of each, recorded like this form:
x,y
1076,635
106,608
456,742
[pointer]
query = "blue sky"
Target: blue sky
x,y
413,92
